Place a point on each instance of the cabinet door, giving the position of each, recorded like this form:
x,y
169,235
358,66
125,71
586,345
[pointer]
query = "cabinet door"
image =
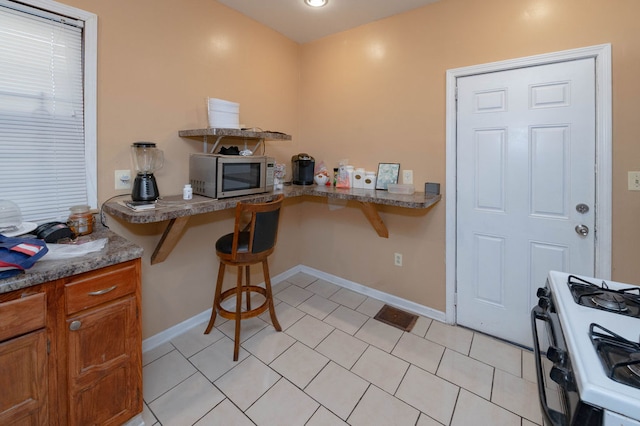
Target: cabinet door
x,y
23,380
104,365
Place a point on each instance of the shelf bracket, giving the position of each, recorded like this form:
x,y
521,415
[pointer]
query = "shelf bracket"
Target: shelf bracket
x,y
215,145
371,213
169,239
255,148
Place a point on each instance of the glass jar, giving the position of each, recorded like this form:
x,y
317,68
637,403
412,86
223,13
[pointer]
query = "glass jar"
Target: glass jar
x,y
80,220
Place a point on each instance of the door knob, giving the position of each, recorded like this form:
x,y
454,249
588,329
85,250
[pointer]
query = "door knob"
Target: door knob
x,y
582,230
75,325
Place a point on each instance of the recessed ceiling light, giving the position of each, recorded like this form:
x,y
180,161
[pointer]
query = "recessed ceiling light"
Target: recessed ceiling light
x,y
316,3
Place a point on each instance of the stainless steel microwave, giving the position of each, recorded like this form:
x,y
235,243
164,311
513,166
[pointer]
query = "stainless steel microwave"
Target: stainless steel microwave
x,y
223,176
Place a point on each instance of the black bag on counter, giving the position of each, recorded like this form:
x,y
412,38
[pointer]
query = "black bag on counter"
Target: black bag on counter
x,y
18,254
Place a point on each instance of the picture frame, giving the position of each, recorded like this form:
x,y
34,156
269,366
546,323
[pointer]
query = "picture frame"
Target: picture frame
x,y
387,173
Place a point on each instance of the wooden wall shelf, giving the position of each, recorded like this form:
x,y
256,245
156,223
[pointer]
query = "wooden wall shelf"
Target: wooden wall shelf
x,y
218,134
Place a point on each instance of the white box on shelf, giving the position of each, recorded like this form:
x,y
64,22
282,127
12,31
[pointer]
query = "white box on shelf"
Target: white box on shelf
x,y
223,114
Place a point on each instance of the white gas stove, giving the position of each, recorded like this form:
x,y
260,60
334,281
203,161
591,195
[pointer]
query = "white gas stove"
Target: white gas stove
x,y
600,384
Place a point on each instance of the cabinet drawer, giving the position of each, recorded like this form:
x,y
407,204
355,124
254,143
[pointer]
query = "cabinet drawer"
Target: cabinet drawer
x,y
22,315
97,287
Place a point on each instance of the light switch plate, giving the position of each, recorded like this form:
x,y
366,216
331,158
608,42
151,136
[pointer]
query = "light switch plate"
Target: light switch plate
x,y
123,179
634,181
407,177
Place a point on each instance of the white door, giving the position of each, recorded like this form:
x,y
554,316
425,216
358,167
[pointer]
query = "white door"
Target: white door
x,y
525,187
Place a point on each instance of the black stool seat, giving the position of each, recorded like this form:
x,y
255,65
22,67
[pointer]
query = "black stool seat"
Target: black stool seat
x,y
225,243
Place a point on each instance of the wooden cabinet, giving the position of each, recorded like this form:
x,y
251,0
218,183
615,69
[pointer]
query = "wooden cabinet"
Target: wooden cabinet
x,y
24,368
102,341
71,350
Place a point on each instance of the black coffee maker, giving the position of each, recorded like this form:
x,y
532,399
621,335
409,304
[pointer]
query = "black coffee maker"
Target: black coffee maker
x,y
303,166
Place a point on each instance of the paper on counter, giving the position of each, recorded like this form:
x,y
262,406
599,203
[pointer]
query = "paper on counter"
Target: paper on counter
x,y
68,251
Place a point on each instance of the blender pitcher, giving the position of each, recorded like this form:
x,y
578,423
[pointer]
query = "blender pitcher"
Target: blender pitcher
x,y
146,159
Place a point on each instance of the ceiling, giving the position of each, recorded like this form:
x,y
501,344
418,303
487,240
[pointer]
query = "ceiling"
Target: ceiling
x,y
301,23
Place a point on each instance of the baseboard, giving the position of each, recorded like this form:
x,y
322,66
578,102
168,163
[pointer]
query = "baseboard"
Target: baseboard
x,y
171,332
168,334
390,299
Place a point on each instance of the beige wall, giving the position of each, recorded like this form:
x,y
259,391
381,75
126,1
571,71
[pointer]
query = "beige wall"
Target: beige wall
x,y
377,94
373,94
157,62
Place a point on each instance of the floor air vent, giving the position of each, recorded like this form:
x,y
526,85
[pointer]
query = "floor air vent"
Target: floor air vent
x,y
396,318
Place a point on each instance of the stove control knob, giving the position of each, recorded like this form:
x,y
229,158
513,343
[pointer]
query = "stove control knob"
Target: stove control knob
x,y
557,356
543,292
563,377
544,302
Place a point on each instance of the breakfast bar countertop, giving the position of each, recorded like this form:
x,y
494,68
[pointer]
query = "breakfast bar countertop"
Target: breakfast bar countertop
x,y
178,211
116,250
174,206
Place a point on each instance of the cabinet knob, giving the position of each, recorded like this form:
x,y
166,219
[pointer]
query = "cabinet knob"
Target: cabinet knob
x,y
75,325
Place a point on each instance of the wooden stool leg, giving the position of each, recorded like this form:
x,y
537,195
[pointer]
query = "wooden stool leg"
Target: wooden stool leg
x,y
216,298
267,283
248,280
236,346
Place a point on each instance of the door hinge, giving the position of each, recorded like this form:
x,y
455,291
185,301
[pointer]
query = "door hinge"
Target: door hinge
x,y
48,346
137,312
455,299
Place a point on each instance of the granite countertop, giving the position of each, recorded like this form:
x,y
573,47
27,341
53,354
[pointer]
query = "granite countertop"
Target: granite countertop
x,y
417,200
174,206
117,250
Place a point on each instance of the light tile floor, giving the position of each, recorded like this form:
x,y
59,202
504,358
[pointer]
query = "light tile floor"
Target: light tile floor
x,y
334,364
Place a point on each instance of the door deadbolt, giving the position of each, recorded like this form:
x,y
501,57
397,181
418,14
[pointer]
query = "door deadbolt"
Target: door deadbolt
x,y
582,230
582,208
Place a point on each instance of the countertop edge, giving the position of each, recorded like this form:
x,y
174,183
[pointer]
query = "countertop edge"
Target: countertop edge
x,y
174,207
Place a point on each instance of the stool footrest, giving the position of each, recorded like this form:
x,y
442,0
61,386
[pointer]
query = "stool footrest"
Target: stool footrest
x,y
245,314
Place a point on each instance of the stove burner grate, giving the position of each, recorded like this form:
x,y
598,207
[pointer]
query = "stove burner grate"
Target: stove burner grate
x,y
623,302
610,301
635,368
620,357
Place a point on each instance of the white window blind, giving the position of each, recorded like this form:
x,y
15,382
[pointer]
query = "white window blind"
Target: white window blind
x,y
43,155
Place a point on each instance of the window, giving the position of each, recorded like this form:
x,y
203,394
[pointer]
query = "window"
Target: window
x,y
47,108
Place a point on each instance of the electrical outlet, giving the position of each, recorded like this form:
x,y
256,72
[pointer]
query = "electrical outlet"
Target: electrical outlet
x,y
397,259
634,181
407,177
123,179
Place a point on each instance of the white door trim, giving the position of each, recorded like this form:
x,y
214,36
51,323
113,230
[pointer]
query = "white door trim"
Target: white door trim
x,y
602,55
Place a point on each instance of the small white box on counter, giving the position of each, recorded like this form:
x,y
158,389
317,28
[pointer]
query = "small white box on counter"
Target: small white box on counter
x,y
400,188
358,178
369,180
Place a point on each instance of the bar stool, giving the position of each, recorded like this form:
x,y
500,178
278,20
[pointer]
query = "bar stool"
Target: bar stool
x,y
243,248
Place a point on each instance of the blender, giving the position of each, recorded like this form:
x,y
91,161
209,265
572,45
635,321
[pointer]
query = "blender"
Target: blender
x,y
146,159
